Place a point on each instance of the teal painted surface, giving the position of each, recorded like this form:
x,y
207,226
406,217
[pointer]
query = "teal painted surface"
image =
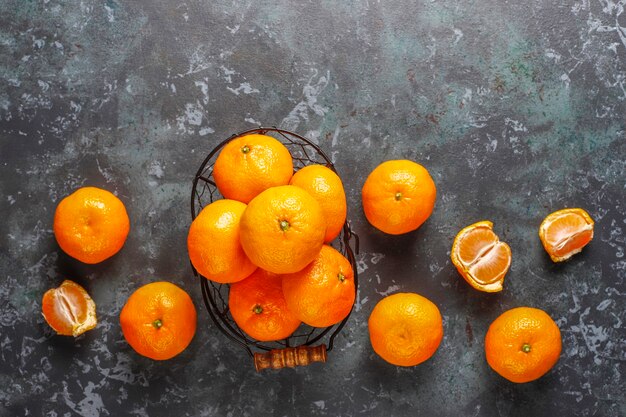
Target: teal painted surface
x,y
517,110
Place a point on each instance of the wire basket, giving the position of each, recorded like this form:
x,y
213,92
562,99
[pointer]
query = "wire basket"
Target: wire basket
x,y
298,349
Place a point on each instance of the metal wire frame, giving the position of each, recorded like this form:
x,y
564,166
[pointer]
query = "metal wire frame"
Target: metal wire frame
x,y
215,295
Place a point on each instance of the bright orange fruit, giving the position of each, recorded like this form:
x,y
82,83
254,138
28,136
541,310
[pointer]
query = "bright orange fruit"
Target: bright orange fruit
x,y
480,257
326,187
282,229
258,307
91,224
250,164
213,243
565,233
322,294
69,309
405,329
158,320
398,196
523,344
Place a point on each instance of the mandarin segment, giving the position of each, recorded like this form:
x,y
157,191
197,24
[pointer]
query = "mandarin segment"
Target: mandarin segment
x,y
322,294
282,229
258,306
69,309
565,233
398,196
480,257
213,243
159,320
91,224
523,344
405,329
250,164
326,187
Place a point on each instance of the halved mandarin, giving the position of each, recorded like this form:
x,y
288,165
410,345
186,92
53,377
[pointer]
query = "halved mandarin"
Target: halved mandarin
x,y
565,233
69,309
480,257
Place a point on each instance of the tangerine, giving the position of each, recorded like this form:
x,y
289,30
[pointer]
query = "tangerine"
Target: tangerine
x,y
91,224
213,243
480,257
282,229
69,309
258,307
565,233
523,344
398,196
326,187
405,329
322,294
250,164
158,320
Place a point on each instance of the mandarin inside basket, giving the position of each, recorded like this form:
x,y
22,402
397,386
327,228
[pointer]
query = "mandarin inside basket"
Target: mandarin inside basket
x,y
307,344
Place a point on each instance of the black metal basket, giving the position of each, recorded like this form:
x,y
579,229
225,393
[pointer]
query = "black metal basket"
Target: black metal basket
x,y
281,353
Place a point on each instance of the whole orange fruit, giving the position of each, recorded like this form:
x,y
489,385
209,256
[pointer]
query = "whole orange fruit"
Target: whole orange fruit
x,y
322,294
398,196
326,187
258,307
91,224
523,344
250,164
565,233
405,329
283,229
213,243
158,320
69,309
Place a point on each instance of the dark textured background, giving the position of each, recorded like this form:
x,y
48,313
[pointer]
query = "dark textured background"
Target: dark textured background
x,y
516,109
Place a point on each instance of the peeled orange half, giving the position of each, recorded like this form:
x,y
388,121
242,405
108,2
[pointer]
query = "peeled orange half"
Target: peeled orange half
x,y
565,233
480,257
69,309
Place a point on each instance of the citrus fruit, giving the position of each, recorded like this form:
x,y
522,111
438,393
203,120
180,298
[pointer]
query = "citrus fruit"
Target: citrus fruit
x,y
69,309
258,307
565,233
91,224
158,320
398,196
326,187
250,164
480,257
322,294
213,243
282,229
405,329
523,344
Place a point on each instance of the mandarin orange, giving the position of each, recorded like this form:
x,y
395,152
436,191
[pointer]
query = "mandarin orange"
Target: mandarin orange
x,y
322,294
258,307
250,164
282,229
91,224
213,243
159,320
398,196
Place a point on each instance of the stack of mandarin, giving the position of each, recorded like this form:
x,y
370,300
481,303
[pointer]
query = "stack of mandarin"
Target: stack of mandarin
x,y
269,239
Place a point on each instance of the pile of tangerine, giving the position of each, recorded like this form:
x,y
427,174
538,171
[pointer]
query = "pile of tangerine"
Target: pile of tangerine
x,y
268,238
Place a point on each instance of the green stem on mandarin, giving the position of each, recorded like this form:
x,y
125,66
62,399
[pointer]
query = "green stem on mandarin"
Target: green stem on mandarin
x,y
398,196
245,149
526,348
257,309
157,324
284,225
341,277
